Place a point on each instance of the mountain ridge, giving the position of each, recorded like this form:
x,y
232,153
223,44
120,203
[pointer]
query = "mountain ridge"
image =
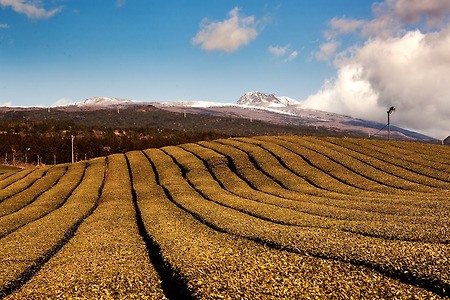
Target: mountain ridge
x,y
264,107
261,99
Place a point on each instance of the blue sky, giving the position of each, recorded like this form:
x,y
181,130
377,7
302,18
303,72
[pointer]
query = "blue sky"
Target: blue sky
x,y
144,50
355,57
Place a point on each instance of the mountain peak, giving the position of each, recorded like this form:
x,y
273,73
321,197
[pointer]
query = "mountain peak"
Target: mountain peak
x,y
104,102
266,100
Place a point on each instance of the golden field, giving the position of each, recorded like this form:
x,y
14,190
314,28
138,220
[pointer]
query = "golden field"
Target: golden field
x,y
287,217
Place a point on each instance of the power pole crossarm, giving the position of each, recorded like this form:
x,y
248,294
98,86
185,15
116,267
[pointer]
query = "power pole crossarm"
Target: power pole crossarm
x,y
389,112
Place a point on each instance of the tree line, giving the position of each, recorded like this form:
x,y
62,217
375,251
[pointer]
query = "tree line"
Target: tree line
x,y
50,141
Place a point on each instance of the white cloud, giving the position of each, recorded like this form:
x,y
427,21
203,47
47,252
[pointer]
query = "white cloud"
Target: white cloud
x,y
4,26
343,26
278,50
409,72
29,8
62,102
291,56
327,50
410,11
6,104
228,35
399,66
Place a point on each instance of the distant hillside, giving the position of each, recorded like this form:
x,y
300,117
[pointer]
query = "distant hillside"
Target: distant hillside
x,y
149,116
101,131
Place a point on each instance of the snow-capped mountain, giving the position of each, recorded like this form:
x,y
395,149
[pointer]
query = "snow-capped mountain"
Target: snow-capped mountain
x,y
105,102
265,100
260,106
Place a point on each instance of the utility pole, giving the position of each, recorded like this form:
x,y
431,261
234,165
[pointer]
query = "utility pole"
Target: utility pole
x,y
26,150
73,137
389,112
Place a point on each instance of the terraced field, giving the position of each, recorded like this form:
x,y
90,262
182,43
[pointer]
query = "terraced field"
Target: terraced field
x,y
243,218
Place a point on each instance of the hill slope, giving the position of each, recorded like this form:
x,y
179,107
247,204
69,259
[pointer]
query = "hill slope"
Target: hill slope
x,y
272,109
267,217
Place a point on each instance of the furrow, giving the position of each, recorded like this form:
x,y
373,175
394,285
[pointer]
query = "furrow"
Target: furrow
x,y
18,182
27,196
387,257
9,178
172,284
216,264
239,162
419,171
368,168
48,201
421,182
350,169
201,180
27,250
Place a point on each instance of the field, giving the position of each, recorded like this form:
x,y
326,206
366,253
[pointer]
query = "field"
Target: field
x,y
284,217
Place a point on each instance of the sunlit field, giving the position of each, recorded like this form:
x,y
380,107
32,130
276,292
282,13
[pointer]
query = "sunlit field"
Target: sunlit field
x,y
284,217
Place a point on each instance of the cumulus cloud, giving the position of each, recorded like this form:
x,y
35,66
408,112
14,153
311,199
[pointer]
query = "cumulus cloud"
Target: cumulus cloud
x,y
397,65
278,50
411,11
228,35
343,26
327,50
29,8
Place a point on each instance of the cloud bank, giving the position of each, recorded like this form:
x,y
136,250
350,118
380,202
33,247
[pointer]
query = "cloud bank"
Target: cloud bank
x,y
29,8
404,61
228,35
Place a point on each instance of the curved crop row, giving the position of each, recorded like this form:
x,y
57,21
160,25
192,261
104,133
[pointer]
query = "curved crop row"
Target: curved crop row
x,y
25,197
260,181
334,169
106,257
8,178
421,168
397,185
369,157
24,251
46,202
384,226
251,218
19,182
385,256
369,201
437,154
218,265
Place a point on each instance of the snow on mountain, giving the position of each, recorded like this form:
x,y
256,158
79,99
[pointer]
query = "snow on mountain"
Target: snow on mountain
x,y
105,102
265,100
265,107
204,104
